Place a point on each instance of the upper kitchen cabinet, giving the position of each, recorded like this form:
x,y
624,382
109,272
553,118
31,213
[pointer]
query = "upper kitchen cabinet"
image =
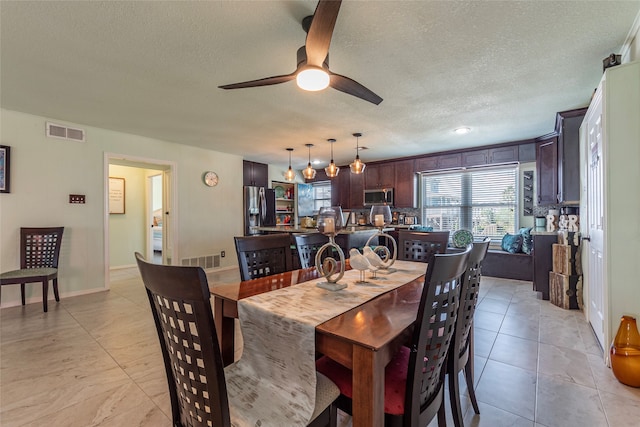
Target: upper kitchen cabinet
x,y
443,161
347,189
380,175
568,127
547,170
497,155
558,160
255,174
405,185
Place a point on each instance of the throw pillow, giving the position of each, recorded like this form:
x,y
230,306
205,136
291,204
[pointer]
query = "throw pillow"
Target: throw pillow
x,y
512,243
527,240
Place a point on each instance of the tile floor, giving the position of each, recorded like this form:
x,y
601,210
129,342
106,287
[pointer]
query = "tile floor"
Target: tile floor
x,y
94,360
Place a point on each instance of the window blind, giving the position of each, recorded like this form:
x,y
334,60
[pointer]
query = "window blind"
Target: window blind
x,y
482,200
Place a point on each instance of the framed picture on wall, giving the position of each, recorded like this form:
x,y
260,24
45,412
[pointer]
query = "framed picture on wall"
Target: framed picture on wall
x,y
5,163
116,195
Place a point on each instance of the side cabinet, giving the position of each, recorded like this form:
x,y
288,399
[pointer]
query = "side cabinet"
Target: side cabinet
x,y
542,262
569,155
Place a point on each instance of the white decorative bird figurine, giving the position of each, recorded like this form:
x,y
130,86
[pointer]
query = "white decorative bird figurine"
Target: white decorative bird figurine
x,y
360,262
372,257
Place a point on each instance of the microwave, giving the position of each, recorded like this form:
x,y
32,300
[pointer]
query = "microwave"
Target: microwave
x,y
382,196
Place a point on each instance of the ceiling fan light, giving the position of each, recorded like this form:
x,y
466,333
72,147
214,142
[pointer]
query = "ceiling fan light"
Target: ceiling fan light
x,y
312,79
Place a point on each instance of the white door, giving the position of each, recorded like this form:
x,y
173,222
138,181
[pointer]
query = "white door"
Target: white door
x,y
594,249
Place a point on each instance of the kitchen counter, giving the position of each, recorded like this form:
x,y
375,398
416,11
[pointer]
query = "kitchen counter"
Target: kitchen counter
x,y
347,230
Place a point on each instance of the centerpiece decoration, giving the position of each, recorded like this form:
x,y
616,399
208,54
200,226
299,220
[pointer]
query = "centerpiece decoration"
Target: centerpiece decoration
x,y
380,256
329,223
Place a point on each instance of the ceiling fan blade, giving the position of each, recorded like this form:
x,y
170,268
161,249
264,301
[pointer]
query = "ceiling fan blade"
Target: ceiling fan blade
x,y
352,87
321,30
261,82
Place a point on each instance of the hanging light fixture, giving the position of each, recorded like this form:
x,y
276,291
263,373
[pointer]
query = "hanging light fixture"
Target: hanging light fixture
x,y
309,172
357,166
290,175
332,170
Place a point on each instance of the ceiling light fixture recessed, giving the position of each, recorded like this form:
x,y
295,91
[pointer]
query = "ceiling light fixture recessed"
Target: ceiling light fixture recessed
x,y
462,130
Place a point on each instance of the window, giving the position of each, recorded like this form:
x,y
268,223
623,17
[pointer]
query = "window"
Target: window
x,y
483,201
321,195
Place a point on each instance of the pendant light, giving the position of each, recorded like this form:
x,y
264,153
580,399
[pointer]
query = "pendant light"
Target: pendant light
x,y
332,170
290,175
309,172
357,166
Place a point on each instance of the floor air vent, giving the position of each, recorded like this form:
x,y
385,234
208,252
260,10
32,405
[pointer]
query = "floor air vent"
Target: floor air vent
x,y
206,262
64,132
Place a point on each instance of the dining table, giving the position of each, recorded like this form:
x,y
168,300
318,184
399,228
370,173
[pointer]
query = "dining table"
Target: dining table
x,y
363,339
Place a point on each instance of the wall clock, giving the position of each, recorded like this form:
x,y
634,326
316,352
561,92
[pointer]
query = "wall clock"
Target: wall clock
x,y
210,178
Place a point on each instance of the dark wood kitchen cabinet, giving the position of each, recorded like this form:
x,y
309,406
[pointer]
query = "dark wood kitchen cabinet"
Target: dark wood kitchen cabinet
x,y
443,161
489,156
347,190
255,174
568,127
380,175
558,160
404,193
547,170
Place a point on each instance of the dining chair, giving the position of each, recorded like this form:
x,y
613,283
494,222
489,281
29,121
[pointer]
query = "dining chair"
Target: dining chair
x,y
263,255
419,245
308,245
39,254
181,309
461,353
414,378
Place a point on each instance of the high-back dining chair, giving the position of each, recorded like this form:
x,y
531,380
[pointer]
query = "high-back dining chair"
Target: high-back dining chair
x,y
308,245
263,255
39,254
414,378
420,245
181,309
461,353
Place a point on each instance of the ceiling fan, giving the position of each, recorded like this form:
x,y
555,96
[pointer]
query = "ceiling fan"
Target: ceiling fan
x,y
312,72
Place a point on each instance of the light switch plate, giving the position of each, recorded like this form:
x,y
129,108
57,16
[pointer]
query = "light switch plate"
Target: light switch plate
x,y
77,199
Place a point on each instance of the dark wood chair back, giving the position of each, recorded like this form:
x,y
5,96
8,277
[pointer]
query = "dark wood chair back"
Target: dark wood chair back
x,y
260,256
179,299
39,256
421,245
308,245
461,354
432,337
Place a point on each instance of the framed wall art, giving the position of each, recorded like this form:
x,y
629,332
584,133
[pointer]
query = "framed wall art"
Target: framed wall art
x,y
5,163
116,195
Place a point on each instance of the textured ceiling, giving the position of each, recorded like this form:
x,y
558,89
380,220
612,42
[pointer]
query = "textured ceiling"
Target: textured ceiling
x,y
152,68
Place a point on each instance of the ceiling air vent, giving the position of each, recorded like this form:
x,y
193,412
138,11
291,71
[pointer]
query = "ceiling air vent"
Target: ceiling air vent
x,y
64,132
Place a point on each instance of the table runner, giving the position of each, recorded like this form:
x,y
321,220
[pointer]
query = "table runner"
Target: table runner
x,y
278,329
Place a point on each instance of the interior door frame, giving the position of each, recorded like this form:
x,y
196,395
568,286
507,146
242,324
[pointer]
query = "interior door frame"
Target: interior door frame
x,y
170,187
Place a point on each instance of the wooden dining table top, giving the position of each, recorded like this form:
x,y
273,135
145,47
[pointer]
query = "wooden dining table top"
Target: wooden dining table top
x,y
372,324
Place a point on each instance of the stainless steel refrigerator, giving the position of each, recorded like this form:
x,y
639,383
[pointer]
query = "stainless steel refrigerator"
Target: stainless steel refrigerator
x,y
259,209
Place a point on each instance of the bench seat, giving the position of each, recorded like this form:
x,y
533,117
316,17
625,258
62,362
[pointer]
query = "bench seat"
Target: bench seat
x,y
503,264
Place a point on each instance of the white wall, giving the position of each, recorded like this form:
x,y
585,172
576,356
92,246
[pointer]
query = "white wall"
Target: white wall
x,y
127,231
44,171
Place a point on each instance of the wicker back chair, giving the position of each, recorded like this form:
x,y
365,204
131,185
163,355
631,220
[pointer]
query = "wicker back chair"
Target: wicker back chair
x,y
419,246
461,354
39,254
260,256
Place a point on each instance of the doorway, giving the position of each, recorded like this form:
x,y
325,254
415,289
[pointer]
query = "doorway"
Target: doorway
x,y
149,203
